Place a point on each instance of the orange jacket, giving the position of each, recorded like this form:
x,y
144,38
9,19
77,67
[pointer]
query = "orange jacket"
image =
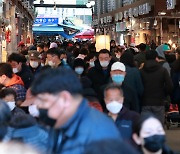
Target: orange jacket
x,y
15,80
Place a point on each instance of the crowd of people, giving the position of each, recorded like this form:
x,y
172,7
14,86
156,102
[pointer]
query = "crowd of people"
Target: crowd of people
x,y
68,98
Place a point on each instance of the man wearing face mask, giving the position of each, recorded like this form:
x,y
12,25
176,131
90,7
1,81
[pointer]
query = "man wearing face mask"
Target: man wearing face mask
x,y
100,73
11,80
62,106
18,63
123,117
34,62
118,73
55,58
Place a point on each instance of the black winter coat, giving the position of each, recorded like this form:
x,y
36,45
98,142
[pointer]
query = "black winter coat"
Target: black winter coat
x,y
157,84
26,75
99,77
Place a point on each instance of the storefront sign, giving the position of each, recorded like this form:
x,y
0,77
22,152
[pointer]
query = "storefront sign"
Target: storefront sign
x,y
130,12
126,14
101,20
127,2
116,17
120,15
135,12
171,4
144,9
46,21
105,20
109,19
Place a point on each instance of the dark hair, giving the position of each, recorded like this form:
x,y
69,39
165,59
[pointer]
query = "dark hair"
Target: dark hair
x,y
22,120
112,41
54,51
109,146
104,51
41,45
142,47
16,57
151,55
7,91
138,124
83,51
56,80
113,86
118,50
79,62
46,45
127,58
5,116
90,56
6,69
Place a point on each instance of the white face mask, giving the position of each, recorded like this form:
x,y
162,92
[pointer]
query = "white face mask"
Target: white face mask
x,y
118,56
34,64
114,107
104,63
15,70
42,64
51,63
33,110
11,105
65,60
79,70
91,64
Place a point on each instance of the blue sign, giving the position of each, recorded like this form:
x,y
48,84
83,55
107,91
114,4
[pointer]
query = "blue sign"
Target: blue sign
x,y
46,21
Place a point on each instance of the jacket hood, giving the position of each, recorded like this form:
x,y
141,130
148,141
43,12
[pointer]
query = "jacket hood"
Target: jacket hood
x,y
15,80
151,66
161,49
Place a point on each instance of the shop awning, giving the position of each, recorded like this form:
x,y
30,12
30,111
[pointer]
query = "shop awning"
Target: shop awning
x,y
48,30
52,30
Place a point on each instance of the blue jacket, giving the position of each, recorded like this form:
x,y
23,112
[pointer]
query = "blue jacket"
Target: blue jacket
x,y
125,122
35,136
86,125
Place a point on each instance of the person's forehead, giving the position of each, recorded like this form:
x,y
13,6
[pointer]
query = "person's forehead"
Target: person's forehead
x,y
117,71
113,91
14,62
103,55
33,59
150,124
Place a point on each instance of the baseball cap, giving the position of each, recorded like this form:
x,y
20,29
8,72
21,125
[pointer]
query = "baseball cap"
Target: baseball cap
x,y
118,66
34,54
53,45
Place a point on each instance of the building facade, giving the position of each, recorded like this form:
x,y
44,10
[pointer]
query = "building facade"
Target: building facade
x,y
137,21
16,21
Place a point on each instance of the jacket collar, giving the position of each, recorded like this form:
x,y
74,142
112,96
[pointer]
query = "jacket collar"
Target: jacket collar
x,y
71,126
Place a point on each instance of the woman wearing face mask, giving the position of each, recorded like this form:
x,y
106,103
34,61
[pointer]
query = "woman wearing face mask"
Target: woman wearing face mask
x,y
9,96
123,117
149,136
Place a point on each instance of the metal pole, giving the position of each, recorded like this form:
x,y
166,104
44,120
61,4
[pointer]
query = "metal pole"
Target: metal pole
x,y
161,31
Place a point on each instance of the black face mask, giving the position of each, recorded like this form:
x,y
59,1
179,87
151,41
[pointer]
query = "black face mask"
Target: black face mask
x,y
44,118
154,143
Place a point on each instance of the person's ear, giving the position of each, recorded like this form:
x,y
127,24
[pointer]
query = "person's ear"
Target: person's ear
x,y
66,98
136,139
20,63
